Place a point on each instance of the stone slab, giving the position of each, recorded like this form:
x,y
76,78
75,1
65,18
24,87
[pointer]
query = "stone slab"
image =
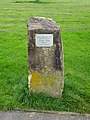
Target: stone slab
x,y
46,63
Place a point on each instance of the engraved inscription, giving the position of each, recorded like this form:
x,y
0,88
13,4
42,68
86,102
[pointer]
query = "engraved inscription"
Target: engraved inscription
x,y
44,40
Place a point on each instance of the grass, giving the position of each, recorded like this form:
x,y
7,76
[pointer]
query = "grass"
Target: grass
x,y
73,17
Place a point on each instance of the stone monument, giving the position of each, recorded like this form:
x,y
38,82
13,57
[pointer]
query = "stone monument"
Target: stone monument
x,y
45,57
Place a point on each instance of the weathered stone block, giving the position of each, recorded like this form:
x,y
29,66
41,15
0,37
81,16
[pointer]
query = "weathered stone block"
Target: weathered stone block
x,y
45,57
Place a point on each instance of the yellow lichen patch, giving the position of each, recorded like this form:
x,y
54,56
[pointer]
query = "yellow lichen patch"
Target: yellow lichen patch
x,y
35,84
51,81
51,84
48,81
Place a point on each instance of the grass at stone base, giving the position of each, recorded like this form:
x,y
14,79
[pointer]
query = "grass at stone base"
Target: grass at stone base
x,y
74,18
74,99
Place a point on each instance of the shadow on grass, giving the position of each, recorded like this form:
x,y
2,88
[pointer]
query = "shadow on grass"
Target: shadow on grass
x,y
39,2
33,2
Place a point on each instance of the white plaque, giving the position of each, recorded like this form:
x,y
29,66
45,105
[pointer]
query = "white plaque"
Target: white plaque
x,y
44,40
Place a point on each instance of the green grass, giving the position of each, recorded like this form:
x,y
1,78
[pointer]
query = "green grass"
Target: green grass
x,y
73,16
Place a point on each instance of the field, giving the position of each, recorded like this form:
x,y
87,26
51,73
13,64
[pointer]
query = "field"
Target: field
x,y
73,17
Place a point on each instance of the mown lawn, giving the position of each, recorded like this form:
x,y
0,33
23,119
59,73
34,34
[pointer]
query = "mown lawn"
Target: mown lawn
x,y
73,16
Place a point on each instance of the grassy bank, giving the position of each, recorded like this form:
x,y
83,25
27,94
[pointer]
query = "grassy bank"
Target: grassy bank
x,y
73,17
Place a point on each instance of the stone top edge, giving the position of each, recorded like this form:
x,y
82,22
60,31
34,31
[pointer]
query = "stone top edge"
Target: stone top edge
x,y
42,23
